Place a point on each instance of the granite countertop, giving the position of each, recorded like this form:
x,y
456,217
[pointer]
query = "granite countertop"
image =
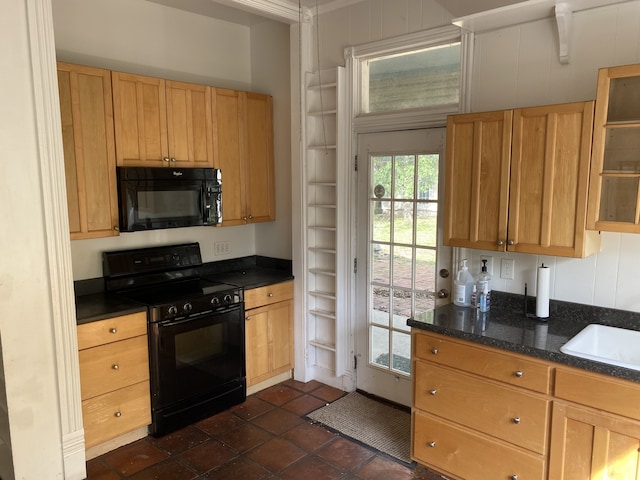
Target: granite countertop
x,y
506,327
93,303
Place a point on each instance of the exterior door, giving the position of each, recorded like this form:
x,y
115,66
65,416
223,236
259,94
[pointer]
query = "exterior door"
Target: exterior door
x,y
399,252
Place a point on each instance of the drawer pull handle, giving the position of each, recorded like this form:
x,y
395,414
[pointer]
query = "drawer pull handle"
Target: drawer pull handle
x,y
117,414
116,366
516,420
432,444
113,330
434,351
519,373
433,392
270,294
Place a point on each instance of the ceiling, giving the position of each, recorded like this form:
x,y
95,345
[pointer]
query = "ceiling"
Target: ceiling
x,y
246,13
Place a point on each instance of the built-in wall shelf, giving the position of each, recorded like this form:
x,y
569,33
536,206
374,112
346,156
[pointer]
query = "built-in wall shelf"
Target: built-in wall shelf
x,y
326,249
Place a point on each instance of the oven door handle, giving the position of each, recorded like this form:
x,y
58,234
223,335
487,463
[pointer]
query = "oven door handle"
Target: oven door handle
x,y
173,323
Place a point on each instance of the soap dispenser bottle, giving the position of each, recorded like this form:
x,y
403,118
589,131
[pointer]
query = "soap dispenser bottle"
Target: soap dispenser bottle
x,y
462,286
483,287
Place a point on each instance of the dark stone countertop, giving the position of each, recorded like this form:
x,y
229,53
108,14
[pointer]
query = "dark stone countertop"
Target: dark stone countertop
x,y
506,327
93,303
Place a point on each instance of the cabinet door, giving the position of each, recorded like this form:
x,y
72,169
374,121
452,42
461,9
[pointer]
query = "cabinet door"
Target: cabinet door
x,y
140,118
614,191
230,153
261,203
281,335
586,443
257,345
189,124
89,154
477,180
549,181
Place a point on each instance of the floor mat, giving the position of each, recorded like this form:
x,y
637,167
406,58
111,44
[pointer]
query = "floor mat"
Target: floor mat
x,y
381,426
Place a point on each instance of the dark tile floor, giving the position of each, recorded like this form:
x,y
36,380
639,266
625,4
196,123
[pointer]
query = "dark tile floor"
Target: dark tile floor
x,y
266,437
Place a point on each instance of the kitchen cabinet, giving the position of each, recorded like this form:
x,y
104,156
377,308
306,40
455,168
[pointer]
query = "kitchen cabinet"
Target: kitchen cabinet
x,y
89,152
161,122
114,377
517,180
614,194
244,152
478,412
268,331
595,427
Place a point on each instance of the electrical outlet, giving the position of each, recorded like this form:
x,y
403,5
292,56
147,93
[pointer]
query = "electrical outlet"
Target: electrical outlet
x,y
489,263
221,248
507,266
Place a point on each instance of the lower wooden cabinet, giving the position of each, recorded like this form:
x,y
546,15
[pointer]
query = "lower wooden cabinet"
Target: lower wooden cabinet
x,y
114,377
269,331
481,412
591,444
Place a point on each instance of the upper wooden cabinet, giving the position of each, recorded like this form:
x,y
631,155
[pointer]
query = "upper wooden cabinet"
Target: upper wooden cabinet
x,y
244,152
89,155
614,192
517,180
161,123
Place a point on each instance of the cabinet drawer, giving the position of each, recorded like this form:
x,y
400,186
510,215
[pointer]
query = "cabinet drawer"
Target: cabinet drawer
x,y
257,297
502,412
112,366
465,454
513,369
598,391
116,413
111,330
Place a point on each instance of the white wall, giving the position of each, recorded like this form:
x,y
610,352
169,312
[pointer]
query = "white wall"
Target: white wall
x,y
26,323
519,67
146,38
514,67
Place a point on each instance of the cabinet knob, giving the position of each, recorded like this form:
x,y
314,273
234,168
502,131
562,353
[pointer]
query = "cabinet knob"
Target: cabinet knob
x,y
173,159
117,414
433,392
250,217
270,295
519,373
115,366
516,420
247,318
113,330
116,228
245,218
432,444
500,243
511,242
514,477
165,159
434,351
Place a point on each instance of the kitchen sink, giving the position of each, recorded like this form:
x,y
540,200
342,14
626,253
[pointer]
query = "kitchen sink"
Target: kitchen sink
x,y
612,345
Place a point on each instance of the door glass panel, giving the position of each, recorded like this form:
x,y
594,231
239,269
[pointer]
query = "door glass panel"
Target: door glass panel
x,y
618,199
624,100
403,223
621,150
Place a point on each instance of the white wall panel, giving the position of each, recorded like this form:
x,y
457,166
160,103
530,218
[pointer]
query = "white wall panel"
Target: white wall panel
x,y
434,15
535,55
495,70
604,292
394,18
360,27
627,290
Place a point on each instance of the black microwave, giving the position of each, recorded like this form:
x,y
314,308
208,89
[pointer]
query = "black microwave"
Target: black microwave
x,y
153,198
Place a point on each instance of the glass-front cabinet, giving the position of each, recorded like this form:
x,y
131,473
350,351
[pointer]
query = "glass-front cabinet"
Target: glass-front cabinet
x,y
614,196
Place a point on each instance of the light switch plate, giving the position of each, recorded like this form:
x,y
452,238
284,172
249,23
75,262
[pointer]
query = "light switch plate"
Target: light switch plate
x,y
507,267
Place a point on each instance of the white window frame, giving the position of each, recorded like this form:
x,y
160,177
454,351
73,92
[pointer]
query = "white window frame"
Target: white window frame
x,y
414,118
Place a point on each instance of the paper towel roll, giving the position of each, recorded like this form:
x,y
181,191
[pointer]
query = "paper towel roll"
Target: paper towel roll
x,y
542,295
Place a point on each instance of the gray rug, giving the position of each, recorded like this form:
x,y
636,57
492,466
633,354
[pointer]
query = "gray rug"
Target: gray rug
x,y
373,423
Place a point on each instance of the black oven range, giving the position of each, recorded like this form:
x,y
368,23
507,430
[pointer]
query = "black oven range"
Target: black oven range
x,y
196,332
